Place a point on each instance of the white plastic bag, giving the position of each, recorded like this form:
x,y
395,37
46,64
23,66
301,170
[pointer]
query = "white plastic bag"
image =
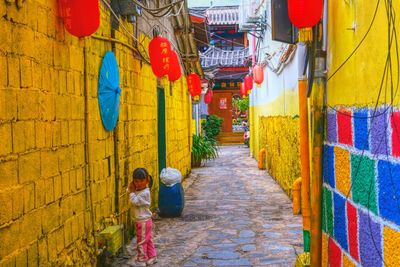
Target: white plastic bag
x,y
170,176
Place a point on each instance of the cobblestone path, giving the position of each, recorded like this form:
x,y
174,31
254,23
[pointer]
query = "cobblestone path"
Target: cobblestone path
x,y
235,215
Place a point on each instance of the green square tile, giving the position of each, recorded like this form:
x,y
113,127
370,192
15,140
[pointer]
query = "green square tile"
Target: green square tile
x,y
327,211
363,182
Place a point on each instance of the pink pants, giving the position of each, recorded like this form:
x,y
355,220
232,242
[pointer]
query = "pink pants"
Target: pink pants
x,y
145,244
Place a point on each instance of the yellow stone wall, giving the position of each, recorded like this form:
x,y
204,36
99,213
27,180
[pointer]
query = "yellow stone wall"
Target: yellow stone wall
x,y
55,189
279,135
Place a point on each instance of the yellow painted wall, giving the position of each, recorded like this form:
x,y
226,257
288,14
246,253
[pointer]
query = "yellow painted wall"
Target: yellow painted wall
x,y
279,135
285,105
54,191
359,80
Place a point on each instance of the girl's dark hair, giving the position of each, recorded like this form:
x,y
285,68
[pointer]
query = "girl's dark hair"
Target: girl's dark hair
x,y
140,174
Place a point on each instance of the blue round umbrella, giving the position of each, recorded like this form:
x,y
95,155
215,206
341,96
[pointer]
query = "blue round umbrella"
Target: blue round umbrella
x,y
109,91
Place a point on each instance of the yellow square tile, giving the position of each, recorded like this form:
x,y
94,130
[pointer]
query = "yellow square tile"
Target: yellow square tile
x,y
342,169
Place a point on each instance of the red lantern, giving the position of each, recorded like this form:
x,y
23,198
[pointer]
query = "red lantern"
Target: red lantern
x,y
81,18
175,71
258,74
208,97
194,84
248,82
305,13
243,91
159,53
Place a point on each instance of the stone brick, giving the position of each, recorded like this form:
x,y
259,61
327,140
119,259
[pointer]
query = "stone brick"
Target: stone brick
x,y
8,104
65,183
395,126
37,71
342,169
327,211
68,232
40,193
9,261
3,68
328,170
49,184
33,255
17,203
345,129
29,197
5,207
379,128
47,107
6,139
13,72
23,136
21,259
340,221
40,131
51,217
29,167
42,251
31,225
335,254
361,129
49,163
9,173
26,73
352,229
63,107
64,133
57,187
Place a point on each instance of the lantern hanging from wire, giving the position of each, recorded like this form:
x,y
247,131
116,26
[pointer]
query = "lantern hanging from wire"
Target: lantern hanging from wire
x,y
305,14
248,82
243,91
208,96
81,18
258,74
175,68
194,84
159,53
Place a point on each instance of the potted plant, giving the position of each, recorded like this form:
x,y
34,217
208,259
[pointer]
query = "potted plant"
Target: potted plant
x,y
203,149
212,127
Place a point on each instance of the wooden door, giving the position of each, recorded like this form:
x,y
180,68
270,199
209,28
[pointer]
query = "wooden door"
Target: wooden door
x,y
221,106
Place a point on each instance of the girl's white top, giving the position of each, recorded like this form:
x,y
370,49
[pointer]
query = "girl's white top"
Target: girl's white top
x,y
141,202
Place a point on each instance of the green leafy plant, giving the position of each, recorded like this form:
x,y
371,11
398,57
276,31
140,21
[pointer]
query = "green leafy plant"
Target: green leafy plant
x,y
242,104
203,149
212,127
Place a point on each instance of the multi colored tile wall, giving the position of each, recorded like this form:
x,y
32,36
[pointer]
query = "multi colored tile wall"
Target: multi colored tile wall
x,y
361,190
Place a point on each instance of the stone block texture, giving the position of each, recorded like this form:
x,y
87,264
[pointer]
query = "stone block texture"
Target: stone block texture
x,y
361,192
62,175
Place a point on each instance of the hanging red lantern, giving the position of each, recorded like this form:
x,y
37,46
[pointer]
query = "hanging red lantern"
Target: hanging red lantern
x,y
305,14
175,70
248,82
159,53
258,74
208,96
194,84
81,18
243,91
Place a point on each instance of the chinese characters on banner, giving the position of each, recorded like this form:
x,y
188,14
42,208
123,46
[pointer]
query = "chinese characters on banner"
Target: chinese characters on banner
x,y
223,104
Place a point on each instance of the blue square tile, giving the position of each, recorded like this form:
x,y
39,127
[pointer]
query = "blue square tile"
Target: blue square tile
x,y
389,190
328,171
361,129
339,222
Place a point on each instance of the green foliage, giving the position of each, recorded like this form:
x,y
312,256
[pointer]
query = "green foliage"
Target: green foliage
x,y
242,104
212,127
203,149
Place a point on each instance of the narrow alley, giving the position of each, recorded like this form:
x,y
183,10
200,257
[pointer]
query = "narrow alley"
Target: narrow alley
x,y
235,215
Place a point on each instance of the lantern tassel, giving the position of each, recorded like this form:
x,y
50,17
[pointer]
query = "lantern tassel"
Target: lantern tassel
x,y
305,35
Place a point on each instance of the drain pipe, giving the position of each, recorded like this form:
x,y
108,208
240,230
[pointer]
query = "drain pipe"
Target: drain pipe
x,y
305,161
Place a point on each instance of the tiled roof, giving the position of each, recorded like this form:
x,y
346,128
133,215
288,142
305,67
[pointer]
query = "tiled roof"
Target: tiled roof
x,y
216,57
223,15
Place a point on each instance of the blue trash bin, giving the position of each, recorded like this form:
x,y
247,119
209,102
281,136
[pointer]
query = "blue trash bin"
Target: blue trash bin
x,y
171,200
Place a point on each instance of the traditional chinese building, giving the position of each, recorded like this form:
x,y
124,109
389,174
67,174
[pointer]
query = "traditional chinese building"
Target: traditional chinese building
x,y
224,56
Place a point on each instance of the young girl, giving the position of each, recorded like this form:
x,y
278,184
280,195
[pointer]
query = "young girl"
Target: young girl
x,y
139,196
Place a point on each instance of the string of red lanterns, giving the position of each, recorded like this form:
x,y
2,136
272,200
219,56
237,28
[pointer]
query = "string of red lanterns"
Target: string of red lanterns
x,y
243,91
258,74
194,84
175,69
208,96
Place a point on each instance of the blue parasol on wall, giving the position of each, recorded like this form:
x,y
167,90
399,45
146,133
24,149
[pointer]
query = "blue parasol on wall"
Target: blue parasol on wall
x,y
109,91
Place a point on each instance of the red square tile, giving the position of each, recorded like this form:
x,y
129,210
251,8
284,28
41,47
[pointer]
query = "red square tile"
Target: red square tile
x,y
345,129
335,254
395,122
352,227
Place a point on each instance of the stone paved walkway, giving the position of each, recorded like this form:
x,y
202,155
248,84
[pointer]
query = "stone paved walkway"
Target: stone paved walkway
x,y
235,215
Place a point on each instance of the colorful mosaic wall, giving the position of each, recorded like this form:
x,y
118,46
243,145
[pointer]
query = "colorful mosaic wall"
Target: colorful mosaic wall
x,y
361,192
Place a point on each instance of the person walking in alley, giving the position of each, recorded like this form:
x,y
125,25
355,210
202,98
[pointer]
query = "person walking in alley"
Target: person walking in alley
x,y
139,196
